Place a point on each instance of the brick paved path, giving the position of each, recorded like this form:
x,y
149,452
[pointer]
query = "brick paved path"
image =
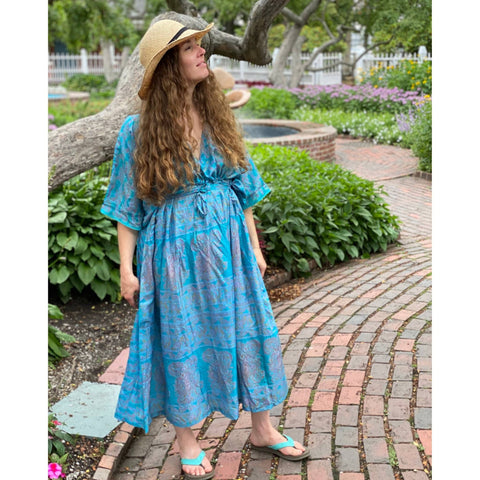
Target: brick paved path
x,y
357,352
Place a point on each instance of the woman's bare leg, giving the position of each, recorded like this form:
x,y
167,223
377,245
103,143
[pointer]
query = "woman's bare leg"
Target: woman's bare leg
x,y
189,448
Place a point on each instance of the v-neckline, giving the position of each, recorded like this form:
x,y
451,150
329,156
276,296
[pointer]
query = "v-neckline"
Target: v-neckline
x,y
200,148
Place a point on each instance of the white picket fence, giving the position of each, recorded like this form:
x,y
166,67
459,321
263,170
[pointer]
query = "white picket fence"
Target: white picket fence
x,y
61,65
244,71
370,60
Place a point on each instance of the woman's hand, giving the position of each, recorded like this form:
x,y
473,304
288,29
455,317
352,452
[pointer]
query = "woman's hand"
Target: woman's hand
x,y
129,284
262,264
129,287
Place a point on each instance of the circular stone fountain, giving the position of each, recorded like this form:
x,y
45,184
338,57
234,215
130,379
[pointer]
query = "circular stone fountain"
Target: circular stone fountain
x,y
317,139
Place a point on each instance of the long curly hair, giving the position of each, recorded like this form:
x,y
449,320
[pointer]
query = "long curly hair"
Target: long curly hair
x,y
164,160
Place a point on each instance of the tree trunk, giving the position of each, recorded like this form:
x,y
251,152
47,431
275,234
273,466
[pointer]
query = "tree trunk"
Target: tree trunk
x,y
296,67
277,74
124,58
106,46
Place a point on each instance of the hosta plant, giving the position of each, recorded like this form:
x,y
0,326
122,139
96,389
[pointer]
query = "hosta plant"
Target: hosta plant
x,y
318,211
82,242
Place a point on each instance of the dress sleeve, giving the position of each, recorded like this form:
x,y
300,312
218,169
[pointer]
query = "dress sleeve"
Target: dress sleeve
x,y
120,202
250,187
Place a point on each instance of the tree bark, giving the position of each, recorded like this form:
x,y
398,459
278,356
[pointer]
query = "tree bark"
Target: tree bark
x,y
90,141
296,62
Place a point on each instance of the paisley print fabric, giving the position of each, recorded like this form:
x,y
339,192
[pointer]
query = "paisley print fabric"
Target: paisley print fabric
x,y
204,337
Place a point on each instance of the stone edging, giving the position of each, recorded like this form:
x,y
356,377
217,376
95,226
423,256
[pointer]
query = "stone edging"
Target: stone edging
x,y
424,175
115,452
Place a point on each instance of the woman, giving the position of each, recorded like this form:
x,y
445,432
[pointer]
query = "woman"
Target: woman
x,y
182,190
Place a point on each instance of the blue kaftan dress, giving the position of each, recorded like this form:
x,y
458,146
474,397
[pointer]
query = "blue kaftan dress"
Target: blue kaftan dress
x,y
204,337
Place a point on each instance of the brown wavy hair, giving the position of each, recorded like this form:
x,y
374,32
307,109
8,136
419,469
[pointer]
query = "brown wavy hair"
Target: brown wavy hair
x,y
164,160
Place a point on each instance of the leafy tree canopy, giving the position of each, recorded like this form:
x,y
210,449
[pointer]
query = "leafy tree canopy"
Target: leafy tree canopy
x,y
410,23
82,23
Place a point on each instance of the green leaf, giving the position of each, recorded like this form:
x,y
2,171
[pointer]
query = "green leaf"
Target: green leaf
x,y
303,266
59,447
86,273
97,251
99,288
352,250
54,312
59,275
81,246
113,255
270,230
57,217
102,269
62,239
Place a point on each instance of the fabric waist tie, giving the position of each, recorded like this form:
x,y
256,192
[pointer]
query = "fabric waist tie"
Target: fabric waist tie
x,y
199,190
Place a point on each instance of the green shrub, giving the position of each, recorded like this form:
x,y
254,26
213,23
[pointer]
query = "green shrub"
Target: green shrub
x,y
420,137
270,103
82,242
408,75
94,84
318,211
380,127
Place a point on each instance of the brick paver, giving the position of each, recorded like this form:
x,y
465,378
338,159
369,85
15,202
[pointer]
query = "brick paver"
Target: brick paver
x,y
357,350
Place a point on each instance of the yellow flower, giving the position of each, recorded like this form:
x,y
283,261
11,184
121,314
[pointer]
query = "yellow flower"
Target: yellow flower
x,y
376,86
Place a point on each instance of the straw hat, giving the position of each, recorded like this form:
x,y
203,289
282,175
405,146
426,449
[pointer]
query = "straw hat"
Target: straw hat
x,y
158,39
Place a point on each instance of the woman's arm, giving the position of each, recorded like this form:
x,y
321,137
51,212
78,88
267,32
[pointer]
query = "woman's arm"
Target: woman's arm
x,y
129,284
252,231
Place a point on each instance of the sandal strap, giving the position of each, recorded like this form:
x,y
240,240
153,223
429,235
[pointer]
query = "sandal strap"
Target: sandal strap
x,y
288,443
193,461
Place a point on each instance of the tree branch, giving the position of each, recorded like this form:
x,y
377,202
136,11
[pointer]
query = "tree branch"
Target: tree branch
x,y
183,6
255,39
292,16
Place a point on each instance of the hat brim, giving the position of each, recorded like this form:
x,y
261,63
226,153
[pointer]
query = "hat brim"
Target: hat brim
x,y
152,65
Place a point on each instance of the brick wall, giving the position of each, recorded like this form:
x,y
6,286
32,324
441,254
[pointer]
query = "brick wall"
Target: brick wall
x,y
317,139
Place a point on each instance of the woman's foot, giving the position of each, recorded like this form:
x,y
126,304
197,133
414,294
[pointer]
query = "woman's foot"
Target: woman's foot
x,y
272,437
189,449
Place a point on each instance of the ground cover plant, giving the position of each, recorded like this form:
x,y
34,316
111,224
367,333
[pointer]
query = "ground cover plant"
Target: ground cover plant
x,y
356,98
378,127
318,211
63,112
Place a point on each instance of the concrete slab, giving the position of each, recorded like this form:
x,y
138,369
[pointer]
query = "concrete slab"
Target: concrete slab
x,y
89,410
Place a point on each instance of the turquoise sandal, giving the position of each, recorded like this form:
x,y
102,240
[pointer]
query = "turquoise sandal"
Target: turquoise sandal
x,y
196,461
274,449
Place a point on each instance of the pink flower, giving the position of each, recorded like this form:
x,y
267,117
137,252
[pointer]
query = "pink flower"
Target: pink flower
x,y
56,422
55,470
